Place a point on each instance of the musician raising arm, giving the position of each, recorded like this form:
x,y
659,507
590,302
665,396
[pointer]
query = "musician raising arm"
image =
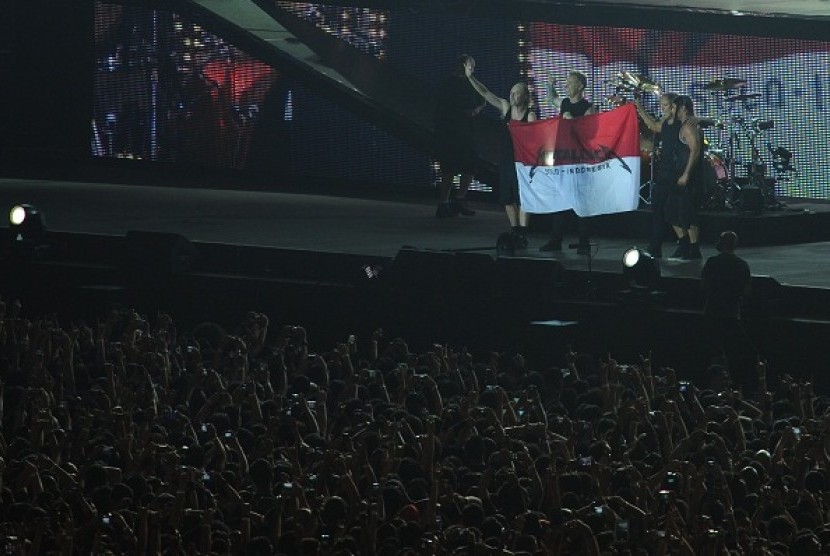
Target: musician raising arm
x,y
516,109
666,112
575,104
667,139
572,106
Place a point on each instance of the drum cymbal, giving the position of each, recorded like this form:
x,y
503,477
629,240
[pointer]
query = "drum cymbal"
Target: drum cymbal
x,y
743,97
640,82
630,82
651,88
620,78
620,84
724,84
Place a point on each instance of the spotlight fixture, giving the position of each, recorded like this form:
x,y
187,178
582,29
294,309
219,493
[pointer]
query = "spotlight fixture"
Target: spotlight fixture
x,y
640,269
26,224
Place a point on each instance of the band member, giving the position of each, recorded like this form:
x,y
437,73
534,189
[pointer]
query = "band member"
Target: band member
x,y
575,104
684,195
456,106
572,106
516,109
667,130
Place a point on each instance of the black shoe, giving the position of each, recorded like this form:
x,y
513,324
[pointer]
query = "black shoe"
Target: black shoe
x,y
693,253
520,237
506,244
682,249
552,245
460,207
445,210
519,241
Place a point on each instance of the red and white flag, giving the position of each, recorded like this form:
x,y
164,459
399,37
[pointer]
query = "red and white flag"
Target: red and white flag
x,y
589,164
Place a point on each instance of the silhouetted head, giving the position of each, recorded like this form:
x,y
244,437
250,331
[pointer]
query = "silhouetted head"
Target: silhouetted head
x,y
685,107
728,242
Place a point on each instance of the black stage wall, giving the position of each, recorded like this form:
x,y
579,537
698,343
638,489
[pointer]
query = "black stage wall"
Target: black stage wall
x,y
534,306
48,87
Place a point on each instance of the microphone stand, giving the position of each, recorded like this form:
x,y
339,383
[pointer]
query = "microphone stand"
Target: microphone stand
x,y
590,291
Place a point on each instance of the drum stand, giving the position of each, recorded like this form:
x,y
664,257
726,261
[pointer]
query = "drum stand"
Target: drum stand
x,y
757,169
782,168
731,190
646,188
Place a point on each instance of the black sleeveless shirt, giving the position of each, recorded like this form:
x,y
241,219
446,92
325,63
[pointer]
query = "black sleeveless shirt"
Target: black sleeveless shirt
x,y
682,157
509,116
576,109
669,138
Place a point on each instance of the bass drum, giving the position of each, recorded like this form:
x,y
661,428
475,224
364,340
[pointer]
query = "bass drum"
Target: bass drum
x,y
715,183
718,166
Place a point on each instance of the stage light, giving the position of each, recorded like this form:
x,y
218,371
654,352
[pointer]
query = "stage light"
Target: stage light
x,y
26,224
26,236
640,269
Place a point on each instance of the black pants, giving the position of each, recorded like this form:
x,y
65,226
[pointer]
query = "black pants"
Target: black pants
x,y
659,194
582,223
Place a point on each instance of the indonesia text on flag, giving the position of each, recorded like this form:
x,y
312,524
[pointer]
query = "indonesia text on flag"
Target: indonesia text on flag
x,y
589,164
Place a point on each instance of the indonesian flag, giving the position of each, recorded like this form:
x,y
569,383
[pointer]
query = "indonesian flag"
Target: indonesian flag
x,y
589,164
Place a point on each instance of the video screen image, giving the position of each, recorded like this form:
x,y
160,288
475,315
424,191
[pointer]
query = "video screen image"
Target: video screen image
x,y
166,90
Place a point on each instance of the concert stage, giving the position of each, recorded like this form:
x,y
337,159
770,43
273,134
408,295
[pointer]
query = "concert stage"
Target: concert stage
x,y
788,244
336,262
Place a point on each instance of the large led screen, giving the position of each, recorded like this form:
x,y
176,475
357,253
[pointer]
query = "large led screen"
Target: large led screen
x,y
763,99
166,90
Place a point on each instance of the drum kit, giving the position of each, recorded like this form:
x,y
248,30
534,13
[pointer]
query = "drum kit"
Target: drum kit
x,y
724,189
723,135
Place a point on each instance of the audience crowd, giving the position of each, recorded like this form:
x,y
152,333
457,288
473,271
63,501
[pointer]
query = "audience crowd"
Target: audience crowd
x,y
128,436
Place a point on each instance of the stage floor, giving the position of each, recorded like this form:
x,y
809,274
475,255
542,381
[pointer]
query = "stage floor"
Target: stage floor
x,y
337,224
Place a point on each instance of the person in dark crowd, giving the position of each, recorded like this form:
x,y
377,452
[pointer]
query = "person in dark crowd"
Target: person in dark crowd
x,y
726,282
136,437
457,104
